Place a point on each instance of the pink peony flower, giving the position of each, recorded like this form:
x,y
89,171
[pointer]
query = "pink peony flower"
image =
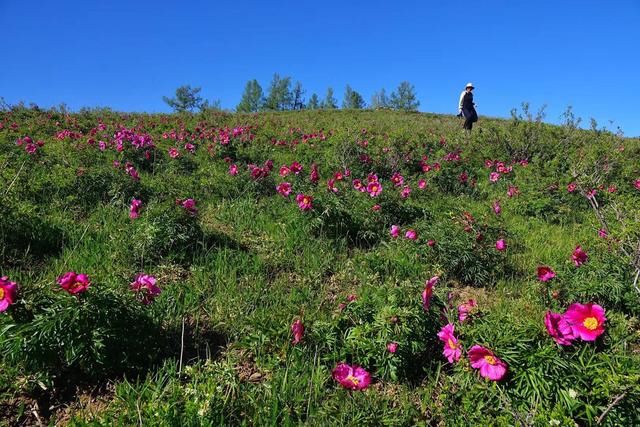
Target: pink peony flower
x,y
545,273
494,176
351,377
145,288
395,231
586,320
297,329
374,188
189,205
489,365
603,233
284,188
571,187
636,184
431,243
376,208
131,170
8,293
233,170
190,147
134,210
422,184
496,207
579,256
284,170
397,179
392,347
411,235
406,191
357,185
501,245
512,191
315,175
304,202
452,348
296,168
558,328
174,153
74,283
428,292
465,308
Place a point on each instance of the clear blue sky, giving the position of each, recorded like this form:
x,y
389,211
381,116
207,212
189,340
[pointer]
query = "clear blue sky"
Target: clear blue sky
x,y
128,54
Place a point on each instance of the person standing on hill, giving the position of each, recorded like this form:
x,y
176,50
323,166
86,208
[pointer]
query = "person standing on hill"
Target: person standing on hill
x,y
466,107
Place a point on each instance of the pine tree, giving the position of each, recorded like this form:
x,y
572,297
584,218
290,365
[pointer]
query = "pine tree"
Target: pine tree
x,y
279,97
298,100
380,100
252,98
187,99
329,102
314,102
405,98
352,99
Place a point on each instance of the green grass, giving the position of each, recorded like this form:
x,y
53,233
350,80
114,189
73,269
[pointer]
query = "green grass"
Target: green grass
x,y
235,276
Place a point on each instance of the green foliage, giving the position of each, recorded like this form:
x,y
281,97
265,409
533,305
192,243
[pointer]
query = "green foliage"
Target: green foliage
x,y
252,98
279,96
186,99
329,102
404,97
352,99
250,262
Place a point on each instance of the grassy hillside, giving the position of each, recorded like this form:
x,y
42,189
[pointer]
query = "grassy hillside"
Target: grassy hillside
x,y
212,297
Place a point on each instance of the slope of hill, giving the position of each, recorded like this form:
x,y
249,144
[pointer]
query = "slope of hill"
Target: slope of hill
x,y
220,269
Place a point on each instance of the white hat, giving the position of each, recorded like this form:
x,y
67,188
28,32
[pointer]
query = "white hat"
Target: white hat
x,y
470,85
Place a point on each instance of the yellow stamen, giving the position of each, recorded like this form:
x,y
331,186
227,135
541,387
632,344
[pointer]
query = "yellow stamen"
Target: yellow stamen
x,y
451,344
490,359
1,294
590,323
353,379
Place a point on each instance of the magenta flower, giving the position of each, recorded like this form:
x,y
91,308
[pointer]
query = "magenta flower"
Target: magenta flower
x,y
131,170
190,147
397,179
134,210
8,293
174,153
431,243
558,328
496,207
501,245
603,233
296,168
571,187
145,288
315,175
494,176
490,366
586,320
422,184
357,185
406,191
465,308
395,231
636,184
392,347
74,283
233,170
545,273
452,348
351,377
297,329
374,188
376,208
512,191
189,205
411,234
579,256
284,170
304,202
428,292
284,189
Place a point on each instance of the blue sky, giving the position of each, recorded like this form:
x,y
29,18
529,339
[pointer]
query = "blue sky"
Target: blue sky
x,y
128,54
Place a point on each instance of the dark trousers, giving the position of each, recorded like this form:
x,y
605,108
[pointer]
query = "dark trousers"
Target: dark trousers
x,y
470,117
